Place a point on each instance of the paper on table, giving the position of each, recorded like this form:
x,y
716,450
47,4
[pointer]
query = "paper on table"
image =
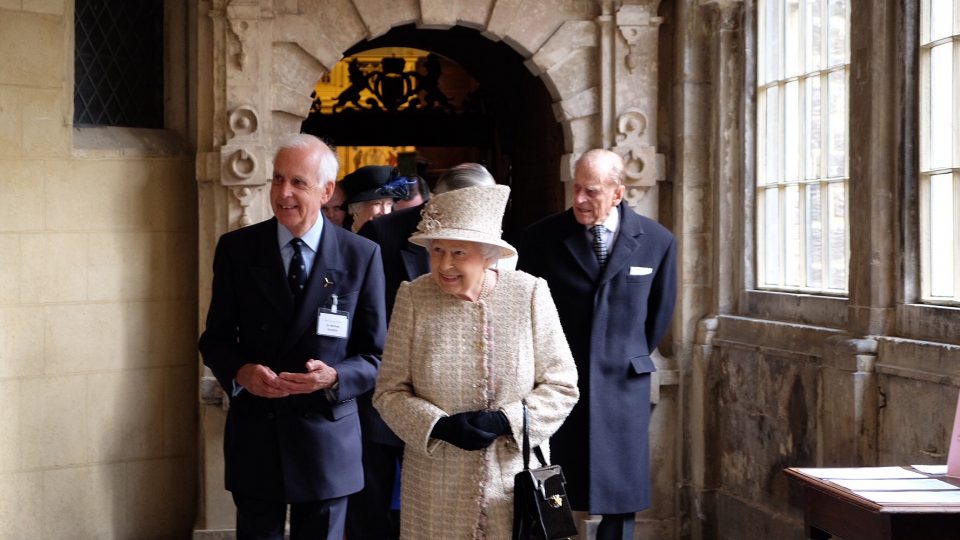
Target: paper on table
x,y
911,497
862,473
931,469
899,484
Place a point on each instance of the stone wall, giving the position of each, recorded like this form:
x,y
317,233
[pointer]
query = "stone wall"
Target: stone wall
x,y
778,379
97,306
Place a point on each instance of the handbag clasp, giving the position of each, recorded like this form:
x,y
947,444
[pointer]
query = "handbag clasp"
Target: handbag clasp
x,y
555,501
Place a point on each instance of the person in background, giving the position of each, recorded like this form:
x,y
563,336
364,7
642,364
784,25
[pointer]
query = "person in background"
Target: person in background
x,y
418,192
403,260
335,209
468,345
293,335
369,514
613,277
369,193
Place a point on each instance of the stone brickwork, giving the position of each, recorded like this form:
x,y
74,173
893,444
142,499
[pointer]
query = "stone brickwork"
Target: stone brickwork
x,y
97,306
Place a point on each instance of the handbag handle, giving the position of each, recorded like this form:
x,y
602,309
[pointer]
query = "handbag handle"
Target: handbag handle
x,y
526,444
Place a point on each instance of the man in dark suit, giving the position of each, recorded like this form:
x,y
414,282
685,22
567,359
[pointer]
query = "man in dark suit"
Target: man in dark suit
x,y
294,334
369,516
615,295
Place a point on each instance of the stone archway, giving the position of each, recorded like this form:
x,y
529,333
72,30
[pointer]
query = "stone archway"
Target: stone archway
x,y
511,127
258,60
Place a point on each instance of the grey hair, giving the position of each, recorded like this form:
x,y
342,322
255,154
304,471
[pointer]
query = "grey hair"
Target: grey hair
x,y
598,158
329,164
423,188
354,208
464,175
487,251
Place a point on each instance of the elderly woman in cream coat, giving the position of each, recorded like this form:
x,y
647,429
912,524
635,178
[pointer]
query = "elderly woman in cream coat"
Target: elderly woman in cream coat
x,y
468,345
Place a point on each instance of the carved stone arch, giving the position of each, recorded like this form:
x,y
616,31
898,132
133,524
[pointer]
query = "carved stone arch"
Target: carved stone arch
x,y
258,61
557,39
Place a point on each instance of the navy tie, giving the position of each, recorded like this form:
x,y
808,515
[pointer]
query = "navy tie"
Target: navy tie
x,y
297,272
599,244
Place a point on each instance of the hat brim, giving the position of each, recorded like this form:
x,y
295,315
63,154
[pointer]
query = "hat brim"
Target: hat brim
x,y
365,196
423,239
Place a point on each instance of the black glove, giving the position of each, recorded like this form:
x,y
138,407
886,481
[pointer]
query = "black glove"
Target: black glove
x,y
458,431
492,421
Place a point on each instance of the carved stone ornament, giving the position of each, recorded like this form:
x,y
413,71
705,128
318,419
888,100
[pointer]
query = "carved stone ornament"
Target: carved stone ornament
x,y
242,15
634,194
242,165
639,158
245,196
243,121
239,29
633,21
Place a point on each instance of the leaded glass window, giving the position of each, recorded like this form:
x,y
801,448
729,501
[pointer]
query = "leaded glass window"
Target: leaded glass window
x,y
118,63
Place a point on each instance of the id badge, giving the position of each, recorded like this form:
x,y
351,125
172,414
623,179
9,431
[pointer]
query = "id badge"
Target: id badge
x,y
331,322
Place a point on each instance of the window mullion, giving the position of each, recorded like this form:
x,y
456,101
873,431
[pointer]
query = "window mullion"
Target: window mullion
x,y
956,234
782,233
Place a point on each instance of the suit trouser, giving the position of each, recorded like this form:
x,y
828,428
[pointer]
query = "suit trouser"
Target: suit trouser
x,y
368,514
616,526
259,519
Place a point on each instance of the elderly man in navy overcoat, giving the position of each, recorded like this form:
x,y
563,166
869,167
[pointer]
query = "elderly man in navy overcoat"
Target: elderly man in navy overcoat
x,y
614,287
294,334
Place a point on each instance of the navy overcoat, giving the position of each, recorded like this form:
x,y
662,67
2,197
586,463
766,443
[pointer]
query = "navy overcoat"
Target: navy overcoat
x,y
302,447
613,320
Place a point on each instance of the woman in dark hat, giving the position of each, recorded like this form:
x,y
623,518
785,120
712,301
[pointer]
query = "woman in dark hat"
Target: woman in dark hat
x,y
371,192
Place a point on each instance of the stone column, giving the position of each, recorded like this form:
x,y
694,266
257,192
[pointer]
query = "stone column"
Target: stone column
x,y
712,49
874,162
848,405
629,96
232,173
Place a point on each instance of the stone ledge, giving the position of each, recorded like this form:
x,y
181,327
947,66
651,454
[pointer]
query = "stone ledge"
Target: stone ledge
x,y
215,534
790,340
929,321
112,141
795,307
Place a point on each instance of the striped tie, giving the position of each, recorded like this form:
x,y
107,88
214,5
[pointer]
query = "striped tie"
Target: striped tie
x,y
297,272
599,244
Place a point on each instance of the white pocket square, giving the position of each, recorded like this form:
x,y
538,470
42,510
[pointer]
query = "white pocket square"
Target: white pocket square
x,y
640,271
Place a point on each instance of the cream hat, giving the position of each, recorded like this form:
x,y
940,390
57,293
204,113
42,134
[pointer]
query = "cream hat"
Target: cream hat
x,y
472,214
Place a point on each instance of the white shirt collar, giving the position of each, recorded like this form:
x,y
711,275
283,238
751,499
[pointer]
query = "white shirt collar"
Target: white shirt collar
x,y
311,238
612,223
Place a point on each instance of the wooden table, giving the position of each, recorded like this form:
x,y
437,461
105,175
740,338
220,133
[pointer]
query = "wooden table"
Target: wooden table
x,y
832,510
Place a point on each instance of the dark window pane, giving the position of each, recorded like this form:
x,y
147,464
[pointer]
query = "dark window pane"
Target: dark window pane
x,y
118,63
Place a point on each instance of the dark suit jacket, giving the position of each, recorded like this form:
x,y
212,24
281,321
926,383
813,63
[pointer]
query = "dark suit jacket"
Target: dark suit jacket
x,y
402,261
302,447
613,320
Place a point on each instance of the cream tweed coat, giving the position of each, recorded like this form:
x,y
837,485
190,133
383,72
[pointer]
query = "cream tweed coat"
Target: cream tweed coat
x,y
438,362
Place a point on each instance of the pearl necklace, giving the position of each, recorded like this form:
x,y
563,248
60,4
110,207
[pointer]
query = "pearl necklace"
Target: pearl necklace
x,y
483,286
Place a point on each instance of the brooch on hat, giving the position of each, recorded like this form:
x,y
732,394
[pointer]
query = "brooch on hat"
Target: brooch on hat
x,y
430,221
398,188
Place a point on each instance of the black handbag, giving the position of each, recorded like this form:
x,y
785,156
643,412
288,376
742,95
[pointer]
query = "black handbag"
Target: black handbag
x,y
541,510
